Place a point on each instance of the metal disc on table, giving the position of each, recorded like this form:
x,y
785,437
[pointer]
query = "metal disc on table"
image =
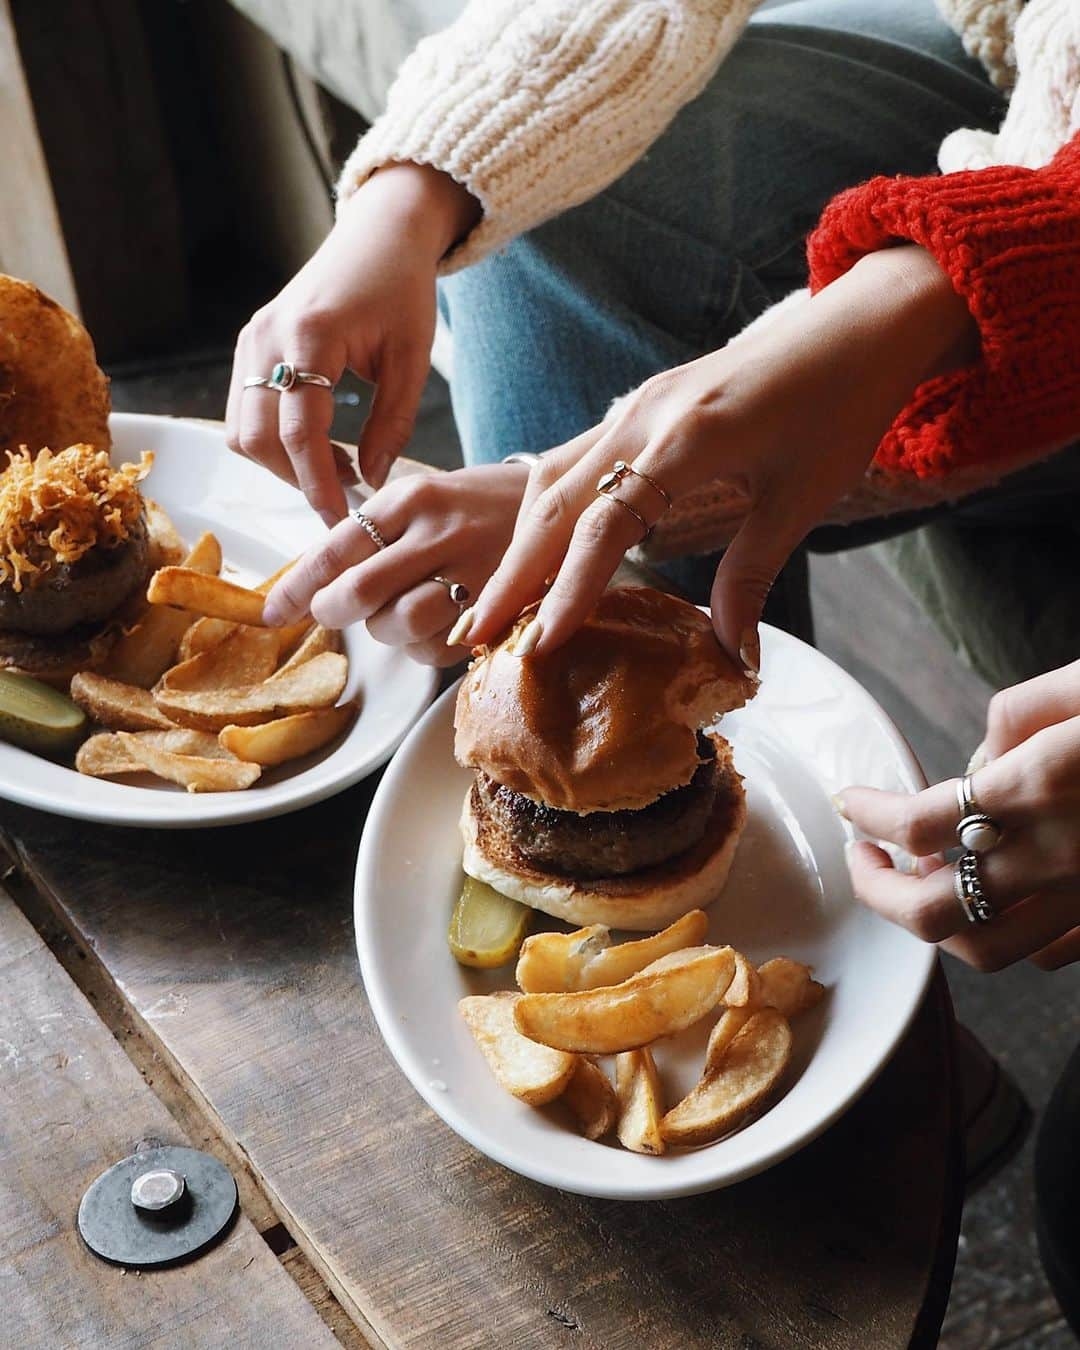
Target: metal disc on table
x,y
158,1207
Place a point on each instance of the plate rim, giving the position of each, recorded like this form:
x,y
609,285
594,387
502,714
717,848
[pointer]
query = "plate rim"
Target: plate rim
x,y
213,810
535,1170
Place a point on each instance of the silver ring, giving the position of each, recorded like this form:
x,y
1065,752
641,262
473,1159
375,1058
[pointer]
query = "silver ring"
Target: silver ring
x,y
977,832
369,527
968,889
284,375
458,593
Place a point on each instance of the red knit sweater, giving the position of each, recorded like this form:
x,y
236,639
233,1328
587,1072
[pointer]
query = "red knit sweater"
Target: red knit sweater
x,y
1009,239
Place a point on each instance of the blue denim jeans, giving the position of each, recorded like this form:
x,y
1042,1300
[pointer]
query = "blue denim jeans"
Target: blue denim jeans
x,y
709,227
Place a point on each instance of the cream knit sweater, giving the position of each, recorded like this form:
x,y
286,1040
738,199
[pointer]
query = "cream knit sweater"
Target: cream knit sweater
x,y
537,105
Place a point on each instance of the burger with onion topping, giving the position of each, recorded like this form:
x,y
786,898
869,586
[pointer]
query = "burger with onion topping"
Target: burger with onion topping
x,y
603,792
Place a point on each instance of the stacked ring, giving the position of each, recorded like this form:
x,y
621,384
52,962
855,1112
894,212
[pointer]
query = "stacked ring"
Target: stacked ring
x,y
968,889
977,832
610,481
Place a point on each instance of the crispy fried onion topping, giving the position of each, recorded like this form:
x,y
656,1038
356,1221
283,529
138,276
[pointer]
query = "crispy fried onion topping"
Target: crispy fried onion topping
x,y
54,508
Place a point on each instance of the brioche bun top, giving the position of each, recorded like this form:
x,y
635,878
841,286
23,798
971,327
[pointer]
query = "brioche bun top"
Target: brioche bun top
x,y
609,720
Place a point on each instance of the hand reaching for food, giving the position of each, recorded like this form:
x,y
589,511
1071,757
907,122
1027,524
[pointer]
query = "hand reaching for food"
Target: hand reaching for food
x,y
790,415
1019,879
365,301
408,562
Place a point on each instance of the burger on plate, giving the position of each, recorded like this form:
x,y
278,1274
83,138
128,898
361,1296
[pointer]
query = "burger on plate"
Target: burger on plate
x,y
75,552
602,791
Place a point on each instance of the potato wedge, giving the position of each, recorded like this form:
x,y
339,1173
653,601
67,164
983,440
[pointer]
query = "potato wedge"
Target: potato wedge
x,y
212,596
318,683
246,657
731,1022
106,756
118,706
206,633
142,655
166,546
788,986
532,1073
197,773
619,961
667,996
289,737
551,963
747,1072
312,640
640,1105
745,988
592,1099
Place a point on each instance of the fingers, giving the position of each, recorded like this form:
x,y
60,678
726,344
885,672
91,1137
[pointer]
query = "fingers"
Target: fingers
x,y
415,617
305,413
921,823
347,544
545,524
1016,714
1028,928
389,425
750,565
361,591
1061,952
258,437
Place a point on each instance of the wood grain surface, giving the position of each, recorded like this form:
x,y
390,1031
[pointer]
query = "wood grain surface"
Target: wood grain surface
x,y
235,949
72,1104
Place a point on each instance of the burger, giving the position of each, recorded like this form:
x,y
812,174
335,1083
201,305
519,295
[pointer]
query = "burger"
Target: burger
x,y
75,554
603,792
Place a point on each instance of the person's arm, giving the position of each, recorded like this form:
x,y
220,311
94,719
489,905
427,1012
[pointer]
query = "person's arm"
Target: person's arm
x,y
537,105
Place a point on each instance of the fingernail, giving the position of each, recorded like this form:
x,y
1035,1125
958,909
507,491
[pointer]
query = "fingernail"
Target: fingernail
x,y
273,616
460,630
979,758
530,636
329,519
750,651
838,805
380,467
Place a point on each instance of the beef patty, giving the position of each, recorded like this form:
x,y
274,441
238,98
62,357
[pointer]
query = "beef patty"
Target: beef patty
x,y
609,843
80,593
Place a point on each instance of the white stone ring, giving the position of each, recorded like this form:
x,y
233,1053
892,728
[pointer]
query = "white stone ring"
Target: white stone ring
x,y
977,832
284,376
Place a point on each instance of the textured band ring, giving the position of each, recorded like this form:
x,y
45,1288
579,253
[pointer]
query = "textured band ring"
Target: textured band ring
x,y
627,507
284,376
977,832
459,594
620,470
369,526
968,889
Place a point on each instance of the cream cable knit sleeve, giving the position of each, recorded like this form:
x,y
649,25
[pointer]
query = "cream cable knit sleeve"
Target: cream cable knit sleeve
x,y
537,105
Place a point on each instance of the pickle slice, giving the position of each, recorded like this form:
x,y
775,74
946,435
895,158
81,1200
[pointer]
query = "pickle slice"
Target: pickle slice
x,y
486,928
38,717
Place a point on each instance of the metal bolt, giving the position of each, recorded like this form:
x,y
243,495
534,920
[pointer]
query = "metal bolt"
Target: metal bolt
x,y
157,1189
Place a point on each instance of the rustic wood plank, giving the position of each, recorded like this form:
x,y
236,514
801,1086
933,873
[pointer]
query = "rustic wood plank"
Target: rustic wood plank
x,y
31,238
71,1103
236,953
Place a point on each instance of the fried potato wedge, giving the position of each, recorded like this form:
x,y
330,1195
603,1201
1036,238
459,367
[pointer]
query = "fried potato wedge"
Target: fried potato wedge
x,y
246,657
531,1072
667,996
318,683
745,988
313,641
640,1104
206,633
106,756
184,588
146,651
197,773
52,392
551,963
592,1099
747,1072
788,986
619,961
118,706
166,546
730,1023
287,738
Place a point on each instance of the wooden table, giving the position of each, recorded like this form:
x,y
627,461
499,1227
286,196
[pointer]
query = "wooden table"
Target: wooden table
x,y
223,963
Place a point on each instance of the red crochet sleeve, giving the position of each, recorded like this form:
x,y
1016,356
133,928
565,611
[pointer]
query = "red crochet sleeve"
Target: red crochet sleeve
x,y
1009,239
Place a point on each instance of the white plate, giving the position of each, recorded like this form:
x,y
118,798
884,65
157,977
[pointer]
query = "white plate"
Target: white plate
x,y
261,523
811,731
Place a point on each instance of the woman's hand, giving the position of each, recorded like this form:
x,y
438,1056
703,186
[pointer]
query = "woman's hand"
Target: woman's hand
x,y
791,415
453,525
1029,784
366,301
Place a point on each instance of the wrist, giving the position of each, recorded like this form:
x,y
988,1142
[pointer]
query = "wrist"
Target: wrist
x,y
422,204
